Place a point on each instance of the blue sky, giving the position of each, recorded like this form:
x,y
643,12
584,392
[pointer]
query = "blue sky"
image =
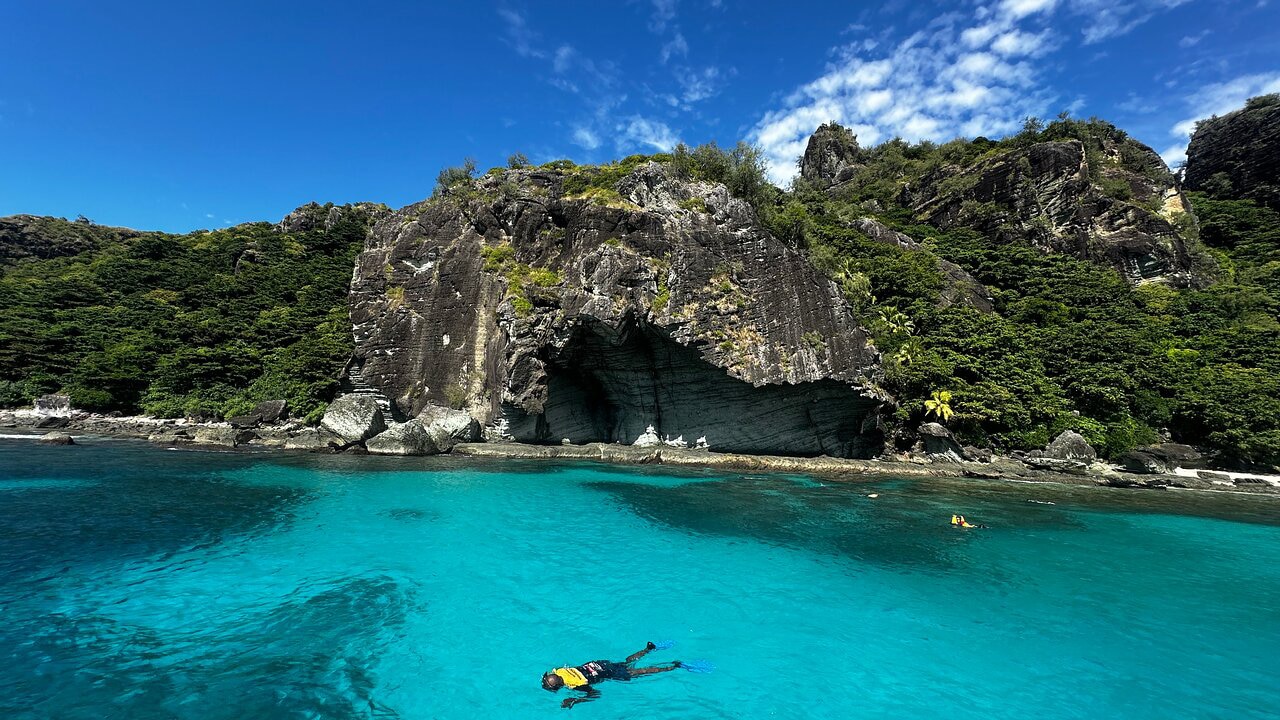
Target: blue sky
x,y
182,115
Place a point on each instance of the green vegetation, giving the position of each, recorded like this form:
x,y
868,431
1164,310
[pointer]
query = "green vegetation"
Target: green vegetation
x,y
208,322
1070,344
521,279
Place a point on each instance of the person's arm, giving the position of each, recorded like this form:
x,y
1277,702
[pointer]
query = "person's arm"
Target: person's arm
x,y
591,694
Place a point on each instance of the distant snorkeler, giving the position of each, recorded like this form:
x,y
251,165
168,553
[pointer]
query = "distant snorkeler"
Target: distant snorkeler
x,y
583,677
959,521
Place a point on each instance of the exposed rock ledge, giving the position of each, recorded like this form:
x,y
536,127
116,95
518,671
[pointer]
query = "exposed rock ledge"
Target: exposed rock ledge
x,y
295,436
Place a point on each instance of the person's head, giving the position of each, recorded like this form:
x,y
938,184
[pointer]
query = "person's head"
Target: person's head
x,y
552,682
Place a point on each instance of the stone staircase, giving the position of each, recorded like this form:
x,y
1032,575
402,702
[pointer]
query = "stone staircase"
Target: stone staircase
x,y
353,383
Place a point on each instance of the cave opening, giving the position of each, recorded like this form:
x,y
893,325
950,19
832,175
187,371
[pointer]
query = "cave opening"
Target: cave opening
x,y
609,384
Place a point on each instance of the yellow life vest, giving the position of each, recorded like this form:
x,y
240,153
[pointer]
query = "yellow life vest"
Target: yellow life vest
x,y
571,676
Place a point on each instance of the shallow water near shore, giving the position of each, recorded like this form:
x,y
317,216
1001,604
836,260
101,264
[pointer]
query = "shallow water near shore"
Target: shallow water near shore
x,y
142,583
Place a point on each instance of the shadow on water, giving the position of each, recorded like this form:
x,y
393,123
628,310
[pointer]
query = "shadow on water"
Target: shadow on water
x,y
823,519
68,506
314,655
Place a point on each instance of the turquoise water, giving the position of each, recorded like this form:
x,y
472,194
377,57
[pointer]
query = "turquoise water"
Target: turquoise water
x,y
142,583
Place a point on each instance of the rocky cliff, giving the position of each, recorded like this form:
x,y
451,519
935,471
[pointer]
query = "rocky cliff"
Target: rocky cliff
x,y
1118,213
1238,155
592,316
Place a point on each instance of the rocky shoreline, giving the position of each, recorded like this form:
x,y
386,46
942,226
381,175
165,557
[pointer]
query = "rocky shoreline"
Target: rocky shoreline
x,y
412,438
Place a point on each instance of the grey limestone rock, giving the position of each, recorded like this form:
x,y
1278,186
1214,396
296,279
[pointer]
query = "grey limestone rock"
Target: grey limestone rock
x,y
831,156
1238,155
1071,445
223,437
353,418
311,439
939,443
270,411
407,438
1045,195
57,438
448,427
554,316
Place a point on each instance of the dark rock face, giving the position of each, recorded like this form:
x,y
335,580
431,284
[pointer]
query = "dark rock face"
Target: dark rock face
x,y
958,286
550,316
1238,155
831,157
270,411
939,443
242,422
1045,190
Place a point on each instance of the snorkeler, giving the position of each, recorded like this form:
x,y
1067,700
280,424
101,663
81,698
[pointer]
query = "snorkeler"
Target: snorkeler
x,y
582,677
959,521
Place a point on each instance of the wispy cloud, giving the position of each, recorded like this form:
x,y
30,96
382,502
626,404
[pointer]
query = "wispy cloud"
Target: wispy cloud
x,y
1193,40
664,11
640,133
1105,19
1216,99
519,35
586,138
677,46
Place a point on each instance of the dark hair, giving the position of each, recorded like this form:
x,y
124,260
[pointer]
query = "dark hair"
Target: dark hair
x,y
551,682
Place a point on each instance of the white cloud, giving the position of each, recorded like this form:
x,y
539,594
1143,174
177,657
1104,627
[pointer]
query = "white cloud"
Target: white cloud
x,y
519,35
563,57
642,133
209,215
1105,19
664,11
1217,99
677,46
700,85
1193,40
586,138
1021,8
950,79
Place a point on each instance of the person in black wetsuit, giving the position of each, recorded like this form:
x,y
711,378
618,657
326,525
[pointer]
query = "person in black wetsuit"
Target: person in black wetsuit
x,y
583,677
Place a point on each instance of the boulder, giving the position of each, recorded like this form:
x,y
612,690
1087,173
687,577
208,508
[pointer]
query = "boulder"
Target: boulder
x,y
353,418
169,437
1175,455
1070,445
57,438
223,437
939,443
448,427
311,439
1212,476
54,404
271,410
53,421
1143,463
242,422
407,438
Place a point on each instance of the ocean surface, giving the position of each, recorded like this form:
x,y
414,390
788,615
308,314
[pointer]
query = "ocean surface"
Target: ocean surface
x,y
138,582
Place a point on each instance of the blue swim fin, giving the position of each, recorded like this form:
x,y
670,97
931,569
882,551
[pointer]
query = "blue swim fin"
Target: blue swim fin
x,y
664,644
698,666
